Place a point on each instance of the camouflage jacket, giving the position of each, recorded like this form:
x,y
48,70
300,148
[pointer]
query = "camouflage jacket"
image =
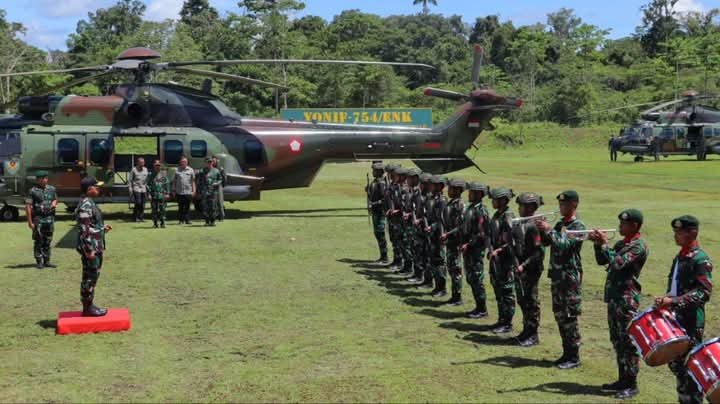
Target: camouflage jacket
x,y
209,180
693,286
92,235
419,213
624,262
40,200
565,259
528,247
407,203
501,233
158,185
376,195
394,200
436,208
476,227
452,220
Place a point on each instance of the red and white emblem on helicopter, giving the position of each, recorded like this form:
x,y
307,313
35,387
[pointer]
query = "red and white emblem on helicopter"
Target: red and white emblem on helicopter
x,y
295,146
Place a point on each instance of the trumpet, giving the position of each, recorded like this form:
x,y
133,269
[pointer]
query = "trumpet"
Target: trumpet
x,y
585,234
548,217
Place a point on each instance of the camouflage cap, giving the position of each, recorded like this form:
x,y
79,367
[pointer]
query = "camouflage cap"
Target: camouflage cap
x,y
439,179
501,192
631,215
426,178
458,184
527,198
476,186
401,171
568,196
378,166
685,222
41,173
413,172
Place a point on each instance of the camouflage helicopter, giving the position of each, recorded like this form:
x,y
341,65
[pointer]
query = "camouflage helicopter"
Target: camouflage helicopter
x,y
686,129
73,136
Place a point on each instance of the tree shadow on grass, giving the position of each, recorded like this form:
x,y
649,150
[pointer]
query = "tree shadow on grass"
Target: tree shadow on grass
x,y
47,324
564,388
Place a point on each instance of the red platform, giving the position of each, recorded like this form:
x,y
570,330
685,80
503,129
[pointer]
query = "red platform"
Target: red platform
x,y
72,322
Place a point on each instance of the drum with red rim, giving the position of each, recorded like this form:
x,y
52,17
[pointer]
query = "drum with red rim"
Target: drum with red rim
x,y
703,364
658,336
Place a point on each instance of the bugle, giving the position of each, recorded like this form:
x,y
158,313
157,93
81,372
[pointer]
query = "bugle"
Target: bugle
x,y
548,217
585,234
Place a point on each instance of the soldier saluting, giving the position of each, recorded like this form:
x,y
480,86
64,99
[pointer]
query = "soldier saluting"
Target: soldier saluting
x,y
376,205
475,239
40,211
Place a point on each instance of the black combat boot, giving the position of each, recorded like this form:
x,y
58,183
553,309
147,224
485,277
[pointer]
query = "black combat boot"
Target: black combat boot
x,y
46,263
155,225
531,339
440,289
629,389
479,312
90,310
39,263
503,327
162,225
572,360
563,358
455,300
616,385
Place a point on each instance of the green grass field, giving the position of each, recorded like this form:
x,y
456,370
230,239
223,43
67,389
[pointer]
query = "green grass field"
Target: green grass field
x,y
278,303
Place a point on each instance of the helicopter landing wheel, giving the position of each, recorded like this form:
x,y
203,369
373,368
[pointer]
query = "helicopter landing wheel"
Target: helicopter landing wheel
x,y
9,213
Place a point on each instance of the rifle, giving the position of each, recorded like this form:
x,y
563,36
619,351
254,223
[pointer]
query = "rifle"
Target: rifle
x,y
367,195
516,263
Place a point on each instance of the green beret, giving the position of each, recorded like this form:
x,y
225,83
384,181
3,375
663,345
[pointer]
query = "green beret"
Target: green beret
x,y
378,166
501,192
476,186
458,184
685,222
568,196
413,172
41,173
426,178
527,198
631,215
401,171
439,179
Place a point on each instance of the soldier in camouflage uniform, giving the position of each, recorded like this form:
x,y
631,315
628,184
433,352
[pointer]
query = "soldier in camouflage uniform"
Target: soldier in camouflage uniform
x,y
159,191
393,203
221,189
211,181
408,192
502,259
565,276
376,207
420,205
624,262
90,244
530,255
40,211
398,211
452,221
475,235
435,229
689,288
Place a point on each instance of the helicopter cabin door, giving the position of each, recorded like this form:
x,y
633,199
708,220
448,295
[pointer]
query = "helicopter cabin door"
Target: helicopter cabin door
x,y
69,165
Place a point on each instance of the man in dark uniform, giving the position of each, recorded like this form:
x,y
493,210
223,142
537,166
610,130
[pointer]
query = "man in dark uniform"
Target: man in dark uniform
x,y
40,211
612,146
408,193
394,218
376,206
565,276
689,288
530,255
624,262
398,211
435,230
90,244
502,259
452,221
476,239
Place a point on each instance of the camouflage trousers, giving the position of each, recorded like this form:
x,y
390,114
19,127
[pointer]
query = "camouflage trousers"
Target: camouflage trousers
x,y
526,287
378,222
408,243
209,206
503,283
475,276
90,274
437,261
42,239
395,233
566,306
687,389
159,207
452,256
420,252
620,314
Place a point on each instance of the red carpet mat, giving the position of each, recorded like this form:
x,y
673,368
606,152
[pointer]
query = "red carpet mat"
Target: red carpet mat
x,y
72,322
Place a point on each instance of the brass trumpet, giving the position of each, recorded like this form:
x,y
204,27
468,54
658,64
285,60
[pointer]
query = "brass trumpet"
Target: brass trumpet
x,y
585,234
548,217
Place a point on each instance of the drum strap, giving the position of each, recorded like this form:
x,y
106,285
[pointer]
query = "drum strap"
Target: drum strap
x,y
674,283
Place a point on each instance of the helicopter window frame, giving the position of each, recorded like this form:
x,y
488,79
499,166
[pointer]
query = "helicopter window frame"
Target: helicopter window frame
x,y
10,143
94,143
716,132
198,148
173,156
65,146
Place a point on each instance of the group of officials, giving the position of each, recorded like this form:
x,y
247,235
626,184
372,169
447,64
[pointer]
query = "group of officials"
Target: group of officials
x,y
431,233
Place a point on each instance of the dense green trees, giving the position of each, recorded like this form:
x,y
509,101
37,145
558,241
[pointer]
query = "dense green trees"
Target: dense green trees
x,y
566,69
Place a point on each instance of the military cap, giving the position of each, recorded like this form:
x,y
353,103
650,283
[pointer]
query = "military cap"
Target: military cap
x,y
426,178
401,171
41,173
458,184
390,167
476,186
685,222
88,182
501,192
378,166
527,198
568,196
631,215
413,172
438,179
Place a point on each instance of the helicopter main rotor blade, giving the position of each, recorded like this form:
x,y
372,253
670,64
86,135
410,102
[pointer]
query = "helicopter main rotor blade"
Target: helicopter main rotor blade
x,y
294,61
81,80
73,70
477,64
446,94
226,76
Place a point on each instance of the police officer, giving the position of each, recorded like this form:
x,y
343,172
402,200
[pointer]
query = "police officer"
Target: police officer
x,y
40,211
211,182
90,244
391,202
435,229
565,275
452,222
159,189
530,255
502,259
476,239
624,262
376,207
689,288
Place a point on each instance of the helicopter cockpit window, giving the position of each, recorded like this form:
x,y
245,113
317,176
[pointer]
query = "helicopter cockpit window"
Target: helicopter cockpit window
x,y
173,151
100,151
198,148
9,144
254,153
68,151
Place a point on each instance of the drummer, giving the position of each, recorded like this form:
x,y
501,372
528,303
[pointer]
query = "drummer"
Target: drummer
x,y
624,262
689,288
